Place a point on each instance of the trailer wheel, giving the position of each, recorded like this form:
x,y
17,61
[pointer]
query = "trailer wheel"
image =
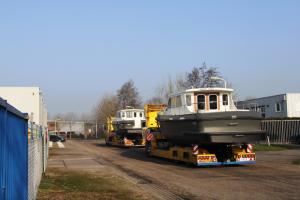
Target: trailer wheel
x,y
106,142
148,148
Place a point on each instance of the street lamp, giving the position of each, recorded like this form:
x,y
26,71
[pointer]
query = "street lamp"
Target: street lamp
x,y
218,78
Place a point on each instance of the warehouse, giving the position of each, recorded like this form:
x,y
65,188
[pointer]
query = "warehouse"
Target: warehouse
x,y
28,100
72,129
274,107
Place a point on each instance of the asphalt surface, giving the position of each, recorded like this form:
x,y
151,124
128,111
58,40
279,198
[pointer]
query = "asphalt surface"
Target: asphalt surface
x,y
273,177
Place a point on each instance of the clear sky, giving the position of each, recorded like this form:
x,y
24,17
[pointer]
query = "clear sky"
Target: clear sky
x,y
77,51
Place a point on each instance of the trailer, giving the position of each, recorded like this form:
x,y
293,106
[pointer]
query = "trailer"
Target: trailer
x,y
122,138
210,154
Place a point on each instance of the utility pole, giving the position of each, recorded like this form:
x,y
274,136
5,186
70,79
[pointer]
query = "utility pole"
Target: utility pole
x,y
55,127
71,127
96,129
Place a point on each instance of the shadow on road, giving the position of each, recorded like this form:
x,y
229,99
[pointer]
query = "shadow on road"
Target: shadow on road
x,y
138,153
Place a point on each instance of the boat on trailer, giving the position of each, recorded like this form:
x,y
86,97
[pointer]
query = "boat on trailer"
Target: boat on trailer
x,y
126,128
208,115
129,120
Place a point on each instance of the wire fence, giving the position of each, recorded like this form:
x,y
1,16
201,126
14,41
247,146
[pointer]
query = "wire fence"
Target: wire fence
x,y
37,158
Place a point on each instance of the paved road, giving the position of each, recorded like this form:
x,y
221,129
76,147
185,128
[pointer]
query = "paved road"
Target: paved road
x,y
273,177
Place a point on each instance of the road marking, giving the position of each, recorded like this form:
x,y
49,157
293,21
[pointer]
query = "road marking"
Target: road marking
x,y
50,144
60,145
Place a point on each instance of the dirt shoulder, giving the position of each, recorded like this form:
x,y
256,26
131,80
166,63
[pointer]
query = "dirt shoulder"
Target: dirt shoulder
x,y
76,177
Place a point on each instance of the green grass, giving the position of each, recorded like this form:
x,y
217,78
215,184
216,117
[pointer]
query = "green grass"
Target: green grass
x,y
76,185
296,162
273,147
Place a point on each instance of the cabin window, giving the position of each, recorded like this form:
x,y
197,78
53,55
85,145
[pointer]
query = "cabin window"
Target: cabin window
x,y
213,102
123,114
173,102
188,100
225,99
129,114
134,114
169,103
201,102
178,101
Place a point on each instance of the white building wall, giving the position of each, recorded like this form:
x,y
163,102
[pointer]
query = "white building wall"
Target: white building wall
x,y
293,104
269,104
28,100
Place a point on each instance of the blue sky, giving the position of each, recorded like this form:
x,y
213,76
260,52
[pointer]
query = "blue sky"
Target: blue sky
x,y
77,51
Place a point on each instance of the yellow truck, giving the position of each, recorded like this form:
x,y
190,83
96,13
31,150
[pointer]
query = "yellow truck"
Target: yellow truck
x,y
121,138
198,154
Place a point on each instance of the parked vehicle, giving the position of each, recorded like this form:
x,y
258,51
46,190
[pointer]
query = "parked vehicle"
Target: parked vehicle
x,y
57,138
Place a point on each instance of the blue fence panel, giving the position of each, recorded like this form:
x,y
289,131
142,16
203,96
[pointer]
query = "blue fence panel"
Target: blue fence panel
x,y
13,153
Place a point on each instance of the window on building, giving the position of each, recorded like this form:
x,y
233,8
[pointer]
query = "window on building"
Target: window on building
x,y
262,110
141,114
134,114
225,99
201,102
213,102
123,114
278,106
188,99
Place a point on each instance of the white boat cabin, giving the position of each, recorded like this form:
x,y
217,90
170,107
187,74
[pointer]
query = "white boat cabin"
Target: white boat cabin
x,y
136,115
201,100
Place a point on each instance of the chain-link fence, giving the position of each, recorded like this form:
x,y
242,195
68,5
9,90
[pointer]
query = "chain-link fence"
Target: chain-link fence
x,y
37,158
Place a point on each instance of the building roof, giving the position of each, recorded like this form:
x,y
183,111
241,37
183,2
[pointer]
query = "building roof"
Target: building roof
x,y
268,97
11,109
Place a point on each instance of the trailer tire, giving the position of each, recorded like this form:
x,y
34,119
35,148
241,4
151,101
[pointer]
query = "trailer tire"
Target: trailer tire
x,y
148,148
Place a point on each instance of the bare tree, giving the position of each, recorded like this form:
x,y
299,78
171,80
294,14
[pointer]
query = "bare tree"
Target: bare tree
x,y
128,95
202,77
107,106
198,77
194,78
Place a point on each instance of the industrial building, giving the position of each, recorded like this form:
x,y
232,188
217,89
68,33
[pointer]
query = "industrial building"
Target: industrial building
x,y
73,128
274,107
28,100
